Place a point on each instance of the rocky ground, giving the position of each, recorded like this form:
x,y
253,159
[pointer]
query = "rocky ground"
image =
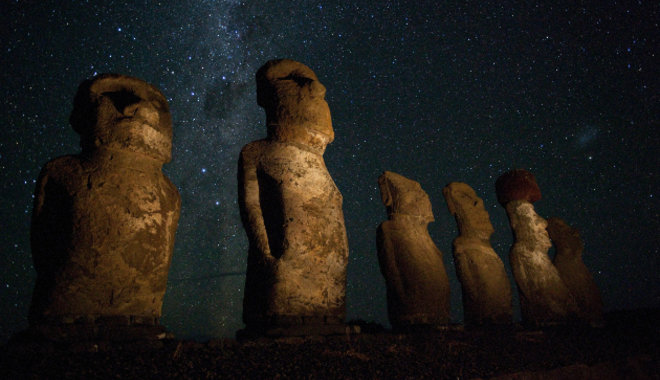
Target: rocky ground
x,y
628,347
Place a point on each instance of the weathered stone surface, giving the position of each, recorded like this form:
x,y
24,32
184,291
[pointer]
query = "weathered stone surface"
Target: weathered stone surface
x,y
544,298
485,286
104,220
415,276
290,207
576,276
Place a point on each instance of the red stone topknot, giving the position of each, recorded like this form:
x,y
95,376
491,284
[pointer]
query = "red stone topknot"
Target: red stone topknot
x,y
517,184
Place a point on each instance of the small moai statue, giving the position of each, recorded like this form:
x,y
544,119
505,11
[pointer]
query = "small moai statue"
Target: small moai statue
x,y
485,286
576,276
291,210
544,298
415,276
104,220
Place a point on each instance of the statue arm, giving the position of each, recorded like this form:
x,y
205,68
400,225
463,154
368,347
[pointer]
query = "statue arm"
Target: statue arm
x,y
173,202
387,252
249,203
39,195
36,241
49,230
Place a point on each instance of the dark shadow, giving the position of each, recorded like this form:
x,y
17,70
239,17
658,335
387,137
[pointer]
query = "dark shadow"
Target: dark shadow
x,y
122,99
270,199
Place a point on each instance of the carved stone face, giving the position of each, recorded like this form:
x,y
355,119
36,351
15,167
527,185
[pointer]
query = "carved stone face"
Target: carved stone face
x,y
294,101
468,208
404,196
123,113
529,224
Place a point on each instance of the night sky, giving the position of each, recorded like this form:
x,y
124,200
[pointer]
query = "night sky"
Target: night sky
x,y
435,91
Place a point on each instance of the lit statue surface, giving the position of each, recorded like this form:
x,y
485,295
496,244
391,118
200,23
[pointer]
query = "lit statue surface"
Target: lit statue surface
x,y
290,206
485,286
104,220
544,298
415,276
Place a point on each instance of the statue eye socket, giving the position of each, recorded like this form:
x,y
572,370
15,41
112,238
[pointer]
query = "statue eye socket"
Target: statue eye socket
x,y
122,99
300,80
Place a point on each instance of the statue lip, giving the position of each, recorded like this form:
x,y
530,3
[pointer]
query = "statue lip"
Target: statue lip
x,y
143,129
136,121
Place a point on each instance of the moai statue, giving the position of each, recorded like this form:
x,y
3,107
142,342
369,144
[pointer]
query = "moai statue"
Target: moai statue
x,y
544,298
292,210
104,220
415,276
576,276
485,286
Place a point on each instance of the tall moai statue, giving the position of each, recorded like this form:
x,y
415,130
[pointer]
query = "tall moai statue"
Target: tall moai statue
x,y
415,276
576,276
485,286
291,208
544,298
104,220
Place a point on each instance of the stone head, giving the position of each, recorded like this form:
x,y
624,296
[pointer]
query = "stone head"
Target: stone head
x,y
294,101
467,208
526,223
566,238
404,196
517,184
123,113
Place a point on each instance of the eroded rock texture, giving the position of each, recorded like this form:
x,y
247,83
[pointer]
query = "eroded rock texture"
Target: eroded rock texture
x,y
104,220
290,206
544,298
485,286
415,276
576,276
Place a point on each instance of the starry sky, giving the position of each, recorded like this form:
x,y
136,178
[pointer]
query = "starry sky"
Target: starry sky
x,y
436,91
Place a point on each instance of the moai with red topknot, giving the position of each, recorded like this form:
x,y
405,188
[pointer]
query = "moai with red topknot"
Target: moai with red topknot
x,y
544,298
485,286
415,277
104,220
576,276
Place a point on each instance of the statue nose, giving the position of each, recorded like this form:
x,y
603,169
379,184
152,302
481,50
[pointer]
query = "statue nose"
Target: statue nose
x,y
317,89
144,111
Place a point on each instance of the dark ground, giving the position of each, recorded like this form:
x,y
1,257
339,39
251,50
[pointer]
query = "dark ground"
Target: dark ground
x,y
628,347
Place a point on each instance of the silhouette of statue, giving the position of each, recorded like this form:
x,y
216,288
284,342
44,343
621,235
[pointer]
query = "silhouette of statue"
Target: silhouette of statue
x,y
576,276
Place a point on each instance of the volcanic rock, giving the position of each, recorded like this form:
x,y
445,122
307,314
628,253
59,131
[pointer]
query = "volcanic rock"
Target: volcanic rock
x,y
517,184
485,286
571,268
415,276
104,220
544,298
290,207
